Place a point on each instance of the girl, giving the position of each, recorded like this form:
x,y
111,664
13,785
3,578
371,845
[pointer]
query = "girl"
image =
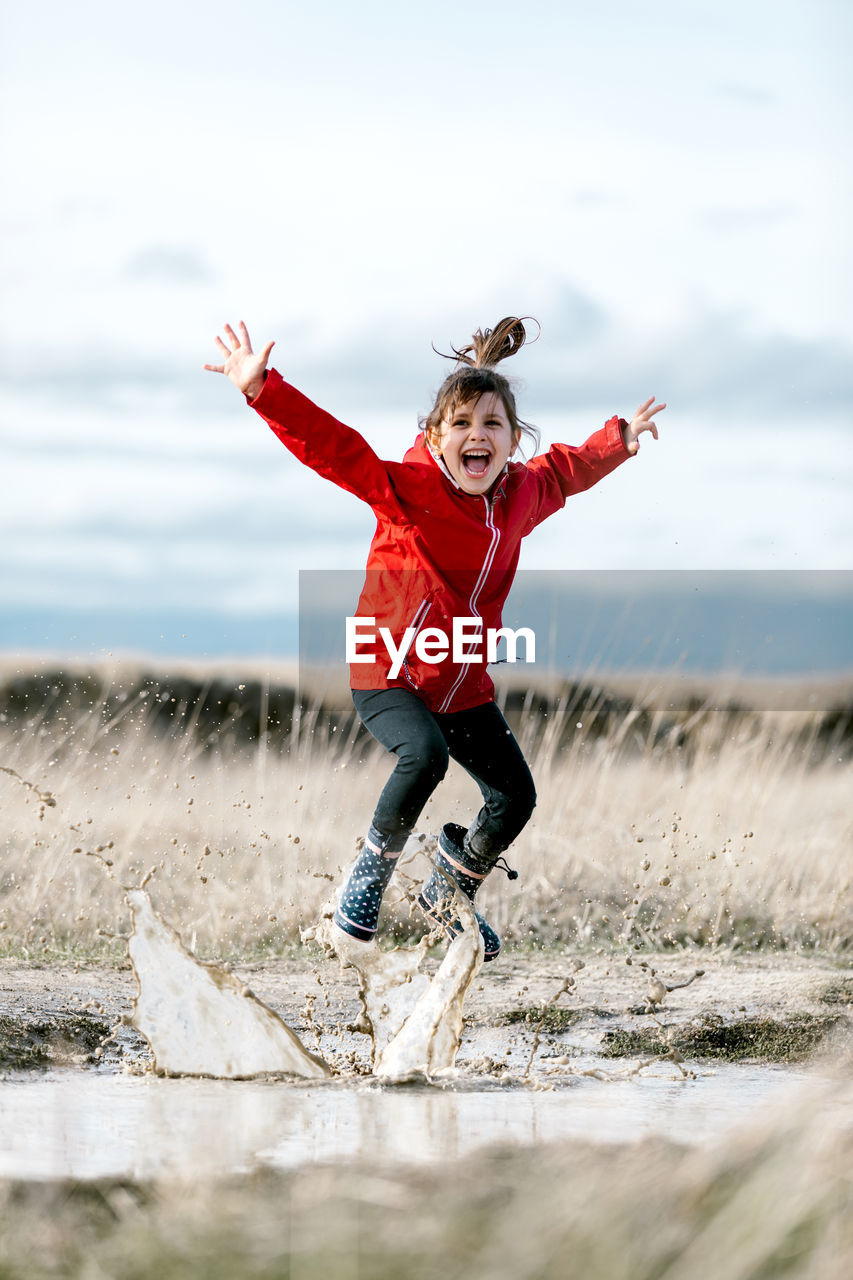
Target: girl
x,y
450,519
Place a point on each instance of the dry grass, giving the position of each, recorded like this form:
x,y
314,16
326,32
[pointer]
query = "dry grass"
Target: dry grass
x,y
742,840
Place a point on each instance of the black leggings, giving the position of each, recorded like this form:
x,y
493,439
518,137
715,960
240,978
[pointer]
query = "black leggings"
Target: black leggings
x,y
423,741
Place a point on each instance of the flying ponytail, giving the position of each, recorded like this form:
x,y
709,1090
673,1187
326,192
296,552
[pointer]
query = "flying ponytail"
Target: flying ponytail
x,y
487,348
475,375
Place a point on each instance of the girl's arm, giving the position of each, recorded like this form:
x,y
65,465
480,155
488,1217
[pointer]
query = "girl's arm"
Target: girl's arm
x,y
313,436
565,470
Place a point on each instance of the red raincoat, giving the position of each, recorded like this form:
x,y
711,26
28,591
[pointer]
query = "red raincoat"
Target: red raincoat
x,y
438,552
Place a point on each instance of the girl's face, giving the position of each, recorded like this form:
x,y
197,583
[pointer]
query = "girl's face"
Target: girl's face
x,y
476,443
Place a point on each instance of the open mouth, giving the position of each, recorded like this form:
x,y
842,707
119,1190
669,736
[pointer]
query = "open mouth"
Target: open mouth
x,y
476,462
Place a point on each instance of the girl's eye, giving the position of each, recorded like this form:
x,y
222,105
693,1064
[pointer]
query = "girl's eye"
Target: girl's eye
x,y
490,422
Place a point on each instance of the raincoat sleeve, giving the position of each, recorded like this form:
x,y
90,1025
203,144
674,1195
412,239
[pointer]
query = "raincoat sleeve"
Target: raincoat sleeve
x,y
327,446
565,469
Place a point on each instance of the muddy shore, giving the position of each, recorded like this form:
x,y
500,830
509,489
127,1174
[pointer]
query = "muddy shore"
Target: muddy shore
x,y
511,1002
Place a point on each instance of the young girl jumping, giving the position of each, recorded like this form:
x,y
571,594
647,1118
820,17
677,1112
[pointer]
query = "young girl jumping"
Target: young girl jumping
x,y
450,519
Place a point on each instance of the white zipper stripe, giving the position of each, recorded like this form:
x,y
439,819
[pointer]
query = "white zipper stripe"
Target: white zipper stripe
x,y
419,614
418,617
478,587
487,563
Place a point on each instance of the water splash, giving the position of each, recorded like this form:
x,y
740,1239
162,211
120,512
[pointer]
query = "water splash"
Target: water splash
x,y
201,1020
415,1022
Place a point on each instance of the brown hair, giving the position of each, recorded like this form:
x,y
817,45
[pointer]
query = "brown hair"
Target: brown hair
x,y
475,375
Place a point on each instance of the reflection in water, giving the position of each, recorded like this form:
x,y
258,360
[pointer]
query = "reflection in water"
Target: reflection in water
x,y
91,1125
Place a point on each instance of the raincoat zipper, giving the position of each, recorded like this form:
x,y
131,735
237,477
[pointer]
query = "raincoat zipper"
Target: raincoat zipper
x,y
417,618
475,594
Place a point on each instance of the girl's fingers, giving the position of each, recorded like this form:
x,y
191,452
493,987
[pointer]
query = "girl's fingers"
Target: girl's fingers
x,y
242,347
645,410
643,416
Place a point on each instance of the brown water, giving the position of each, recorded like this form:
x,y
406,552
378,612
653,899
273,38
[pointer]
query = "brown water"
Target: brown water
x,y
92,1124
201,1019
431,1097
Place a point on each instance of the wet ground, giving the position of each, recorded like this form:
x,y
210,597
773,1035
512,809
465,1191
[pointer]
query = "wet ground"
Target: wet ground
x,y
518,1080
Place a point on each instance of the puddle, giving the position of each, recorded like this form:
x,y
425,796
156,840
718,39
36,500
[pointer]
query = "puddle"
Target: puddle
x,y
201,1021
89,1125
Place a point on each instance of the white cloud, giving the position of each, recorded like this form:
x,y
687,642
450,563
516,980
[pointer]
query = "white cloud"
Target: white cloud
x,y
357,181
171,263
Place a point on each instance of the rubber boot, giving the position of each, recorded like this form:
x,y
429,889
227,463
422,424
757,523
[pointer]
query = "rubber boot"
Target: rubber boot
x,y
358,910
467,871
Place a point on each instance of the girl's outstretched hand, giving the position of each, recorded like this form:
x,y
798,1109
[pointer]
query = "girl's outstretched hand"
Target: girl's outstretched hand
x,y
642,421
242,365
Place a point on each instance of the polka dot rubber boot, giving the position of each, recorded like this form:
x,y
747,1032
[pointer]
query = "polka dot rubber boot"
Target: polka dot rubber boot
x,y
467,872
358,911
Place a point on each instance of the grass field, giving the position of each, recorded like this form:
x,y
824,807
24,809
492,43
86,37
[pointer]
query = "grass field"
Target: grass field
x,y
690,821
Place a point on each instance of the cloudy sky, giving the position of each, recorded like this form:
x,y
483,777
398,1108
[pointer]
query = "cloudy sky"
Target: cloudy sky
x,y
667,189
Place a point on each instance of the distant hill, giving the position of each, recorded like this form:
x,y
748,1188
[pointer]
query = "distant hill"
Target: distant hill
x,y
748,623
